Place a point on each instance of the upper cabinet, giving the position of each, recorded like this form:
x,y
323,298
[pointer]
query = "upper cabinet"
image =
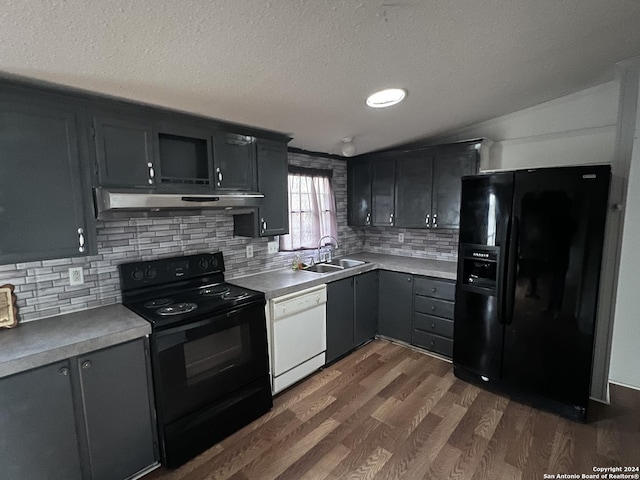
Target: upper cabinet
x,y
44,196
411,188
359,192
448,168
382,190
124,149
272,217
234,159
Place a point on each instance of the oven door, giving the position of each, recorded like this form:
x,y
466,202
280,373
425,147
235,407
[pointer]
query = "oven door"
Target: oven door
x,y
201,362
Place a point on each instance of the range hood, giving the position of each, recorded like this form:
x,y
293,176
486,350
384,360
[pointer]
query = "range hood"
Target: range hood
x,y
115,203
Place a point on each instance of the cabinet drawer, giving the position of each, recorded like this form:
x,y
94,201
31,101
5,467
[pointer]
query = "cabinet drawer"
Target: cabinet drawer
x,y
428,323
433,306
441,345
432,287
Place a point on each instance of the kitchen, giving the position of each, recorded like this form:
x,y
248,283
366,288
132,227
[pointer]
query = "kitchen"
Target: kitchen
x,y
131,238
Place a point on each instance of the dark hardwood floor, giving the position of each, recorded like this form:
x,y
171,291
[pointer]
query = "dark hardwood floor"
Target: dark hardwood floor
x,y
388,412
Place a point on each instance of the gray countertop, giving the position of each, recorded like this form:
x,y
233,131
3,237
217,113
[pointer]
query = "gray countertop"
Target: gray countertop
x,y
38,343
282,282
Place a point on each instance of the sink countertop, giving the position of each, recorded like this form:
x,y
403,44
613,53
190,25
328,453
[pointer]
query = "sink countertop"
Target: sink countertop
x,y
34,344
284,281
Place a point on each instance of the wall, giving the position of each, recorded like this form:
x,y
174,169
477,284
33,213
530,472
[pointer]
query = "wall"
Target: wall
x,y
576,129
43,290
625,356
430,244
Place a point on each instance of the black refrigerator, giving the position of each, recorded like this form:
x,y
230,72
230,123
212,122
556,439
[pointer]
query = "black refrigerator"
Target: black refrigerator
x,y
527,287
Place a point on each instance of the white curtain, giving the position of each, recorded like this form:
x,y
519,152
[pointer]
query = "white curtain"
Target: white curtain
x,y
312,211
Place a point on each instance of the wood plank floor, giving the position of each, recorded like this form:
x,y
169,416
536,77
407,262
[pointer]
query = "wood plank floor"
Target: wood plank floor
x,y
388,412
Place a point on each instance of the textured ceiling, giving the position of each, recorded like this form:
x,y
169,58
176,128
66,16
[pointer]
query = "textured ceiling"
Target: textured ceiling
x,y
304,67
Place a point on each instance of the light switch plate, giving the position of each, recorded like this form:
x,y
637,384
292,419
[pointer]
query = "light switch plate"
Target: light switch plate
x,y
401,237
249,251
76,276
272,247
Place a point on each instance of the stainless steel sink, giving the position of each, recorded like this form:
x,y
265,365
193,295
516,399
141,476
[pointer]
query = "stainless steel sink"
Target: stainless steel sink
x,y
348,263
324,268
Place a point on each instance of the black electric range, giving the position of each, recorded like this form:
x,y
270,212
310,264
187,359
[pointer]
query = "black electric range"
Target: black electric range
x,y
208,350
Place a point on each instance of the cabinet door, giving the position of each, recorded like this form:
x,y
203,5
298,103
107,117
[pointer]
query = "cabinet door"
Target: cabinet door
x,y
382,190
273,182
340,312
116,401
448,169
366,307
37,425
396,308
124,152
234,162
413,191
359,192
41,190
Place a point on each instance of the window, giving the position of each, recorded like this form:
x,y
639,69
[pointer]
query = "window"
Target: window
x,y
312,208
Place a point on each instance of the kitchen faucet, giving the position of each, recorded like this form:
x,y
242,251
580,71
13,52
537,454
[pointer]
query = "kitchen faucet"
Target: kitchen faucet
x,y
335,240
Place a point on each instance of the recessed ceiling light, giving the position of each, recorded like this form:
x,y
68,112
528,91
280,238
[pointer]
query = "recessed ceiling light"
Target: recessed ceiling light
x,y
386,98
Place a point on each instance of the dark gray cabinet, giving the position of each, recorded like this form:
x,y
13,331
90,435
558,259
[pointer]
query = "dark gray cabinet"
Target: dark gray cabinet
x,y
359,192
448,168
272,217
395,305
88,417
382,190
117,410
340,315
234,161
44,197
413,191
124,149
433,314
38,436
366,307
352,313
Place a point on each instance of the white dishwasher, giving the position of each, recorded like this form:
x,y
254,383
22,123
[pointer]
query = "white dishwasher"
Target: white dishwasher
x,y
298,335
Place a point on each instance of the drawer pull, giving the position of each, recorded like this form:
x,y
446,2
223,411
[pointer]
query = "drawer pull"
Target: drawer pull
x,y
433,325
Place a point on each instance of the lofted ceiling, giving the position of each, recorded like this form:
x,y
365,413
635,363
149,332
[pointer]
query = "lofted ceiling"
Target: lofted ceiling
x,y
304,67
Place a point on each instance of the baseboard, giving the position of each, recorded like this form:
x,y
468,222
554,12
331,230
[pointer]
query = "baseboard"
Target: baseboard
x,y
620,384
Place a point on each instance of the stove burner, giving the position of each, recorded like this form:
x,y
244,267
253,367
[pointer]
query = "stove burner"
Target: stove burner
x,y
235,296
214,291
177,309
158,302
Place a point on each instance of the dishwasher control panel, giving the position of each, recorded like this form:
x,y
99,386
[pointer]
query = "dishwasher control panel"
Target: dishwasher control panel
x,y
299,301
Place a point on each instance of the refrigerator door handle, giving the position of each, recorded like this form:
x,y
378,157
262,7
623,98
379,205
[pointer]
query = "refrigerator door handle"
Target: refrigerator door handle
x,y
512,265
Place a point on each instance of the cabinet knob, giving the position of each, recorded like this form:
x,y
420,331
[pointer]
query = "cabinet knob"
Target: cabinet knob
x,y
434,290
86,364
433,308
408,279
81,240
433,325
63,371
432,343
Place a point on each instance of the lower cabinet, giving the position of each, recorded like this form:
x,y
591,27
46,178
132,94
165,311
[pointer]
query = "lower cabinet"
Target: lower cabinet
x,y
88,417
433,315
352,313
396,305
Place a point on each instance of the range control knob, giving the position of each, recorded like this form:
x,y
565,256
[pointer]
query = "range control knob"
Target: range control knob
x,y
150,272
203,264
137,274
213,262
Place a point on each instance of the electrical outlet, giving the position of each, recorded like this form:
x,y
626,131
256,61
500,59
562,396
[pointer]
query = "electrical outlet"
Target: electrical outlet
x,y
401,237
272,247
249,251
76,276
